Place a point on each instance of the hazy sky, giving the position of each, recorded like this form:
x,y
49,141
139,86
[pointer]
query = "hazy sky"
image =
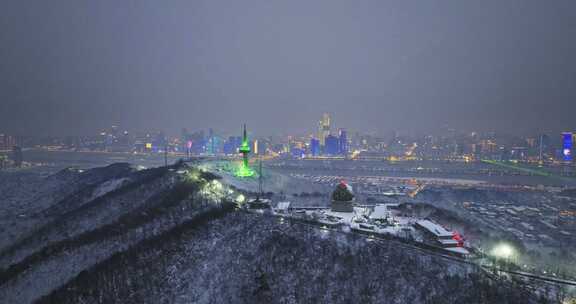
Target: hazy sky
x,y
74,66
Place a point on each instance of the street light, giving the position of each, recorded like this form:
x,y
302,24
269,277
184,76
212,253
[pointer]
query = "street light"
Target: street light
x,y
503,251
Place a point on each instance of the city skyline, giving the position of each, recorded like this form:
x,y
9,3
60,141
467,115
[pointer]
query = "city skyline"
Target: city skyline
x,y
330,141
374,66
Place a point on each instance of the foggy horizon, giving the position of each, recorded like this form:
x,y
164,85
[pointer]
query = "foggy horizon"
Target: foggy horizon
x,y
75,67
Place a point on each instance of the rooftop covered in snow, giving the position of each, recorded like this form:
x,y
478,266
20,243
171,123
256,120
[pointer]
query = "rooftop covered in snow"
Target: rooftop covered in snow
x,y
434,228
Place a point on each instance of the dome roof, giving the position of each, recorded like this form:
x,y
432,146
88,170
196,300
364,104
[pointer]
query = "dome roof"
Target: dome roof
x,y
343,192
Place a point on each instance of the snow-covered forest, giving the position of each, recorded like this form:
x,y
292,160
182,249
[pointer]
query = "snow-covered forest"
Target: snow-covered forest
x,y
121,235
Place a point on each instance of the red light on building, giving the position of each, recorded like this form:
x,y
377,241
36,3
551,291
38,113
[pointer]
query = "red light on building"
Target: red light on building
x,y
457,237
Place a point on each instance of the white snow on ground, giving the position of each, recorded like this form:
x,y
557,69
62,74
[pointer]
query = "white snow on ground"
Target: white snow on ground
x,y
52,273
109,186
89,221
353,220
22,194
272,181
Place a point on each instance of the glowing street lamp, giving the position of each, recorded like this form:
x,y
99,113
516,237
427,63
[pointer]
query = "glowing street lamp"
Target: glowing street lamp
x,y
503,251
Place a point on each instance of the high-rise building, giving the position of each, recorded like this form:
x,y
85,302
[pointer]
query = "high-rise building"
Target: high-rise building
x,y
255,147
296,152
7,142
543,146
198,142
332,144
567,146
232,145
342,142
324,129
159,141
17,156
314,147
211,142
488,146
262,146
214,144
185,141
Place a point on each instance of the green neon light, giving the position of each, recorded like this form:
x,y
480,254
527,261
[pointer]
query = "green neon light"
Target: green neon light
x,y
537,172
245,147
517,167
244,170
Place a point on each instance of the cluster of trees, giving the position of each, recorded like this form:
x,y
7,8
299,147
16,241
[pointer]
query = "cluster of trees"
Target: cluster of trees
x,y
130,276
153,209
282,265
163,203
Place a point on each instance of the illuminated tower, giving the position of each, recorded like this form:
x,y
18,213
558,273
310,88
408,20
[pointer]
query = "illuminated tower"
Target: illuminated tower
x,y
244,169
324,129
567,146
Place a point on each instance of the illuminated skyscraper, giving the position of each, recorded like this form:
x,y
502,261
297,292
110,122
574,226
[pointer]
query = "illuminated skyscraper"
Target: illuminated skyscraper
x,y
567,146
332,145
343,142
314,147
212,142
255,146
232,145
324,129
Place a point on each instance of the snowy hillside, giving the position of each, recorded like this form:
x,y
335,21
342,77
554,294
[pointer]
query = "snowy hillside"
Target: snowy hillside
x,y
173,235
246,258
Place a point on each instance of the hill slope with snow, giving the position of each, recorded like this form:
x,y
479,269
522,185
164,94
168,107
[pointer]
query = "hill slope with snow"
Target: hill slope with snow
x,y
172,235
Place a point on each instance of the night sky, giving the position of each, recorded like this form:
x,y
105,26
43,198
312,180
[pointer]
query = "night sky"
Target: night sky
x,y
76,66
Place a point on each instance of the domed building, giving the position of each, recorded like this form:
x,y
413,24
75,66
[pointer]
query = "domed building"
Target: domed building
x,y
343,198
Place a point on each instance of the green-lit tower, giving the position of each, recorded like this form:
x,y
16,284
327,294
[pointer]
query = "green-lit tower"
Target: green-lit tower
x,y
245,169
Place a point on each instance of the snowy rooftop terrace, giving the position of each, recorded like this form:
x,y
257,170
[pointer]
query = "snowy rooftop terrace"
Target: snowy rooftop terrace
x,y
434,228
382,211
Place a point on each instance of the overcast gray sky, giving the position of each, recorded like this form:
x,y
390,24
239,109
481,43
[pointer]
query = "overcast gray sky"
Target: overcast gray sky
x,y
74,66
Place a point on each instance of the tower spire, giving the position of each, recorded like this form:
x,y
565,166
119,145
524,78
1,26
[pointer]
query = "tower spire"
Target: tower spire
x,y
244,169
